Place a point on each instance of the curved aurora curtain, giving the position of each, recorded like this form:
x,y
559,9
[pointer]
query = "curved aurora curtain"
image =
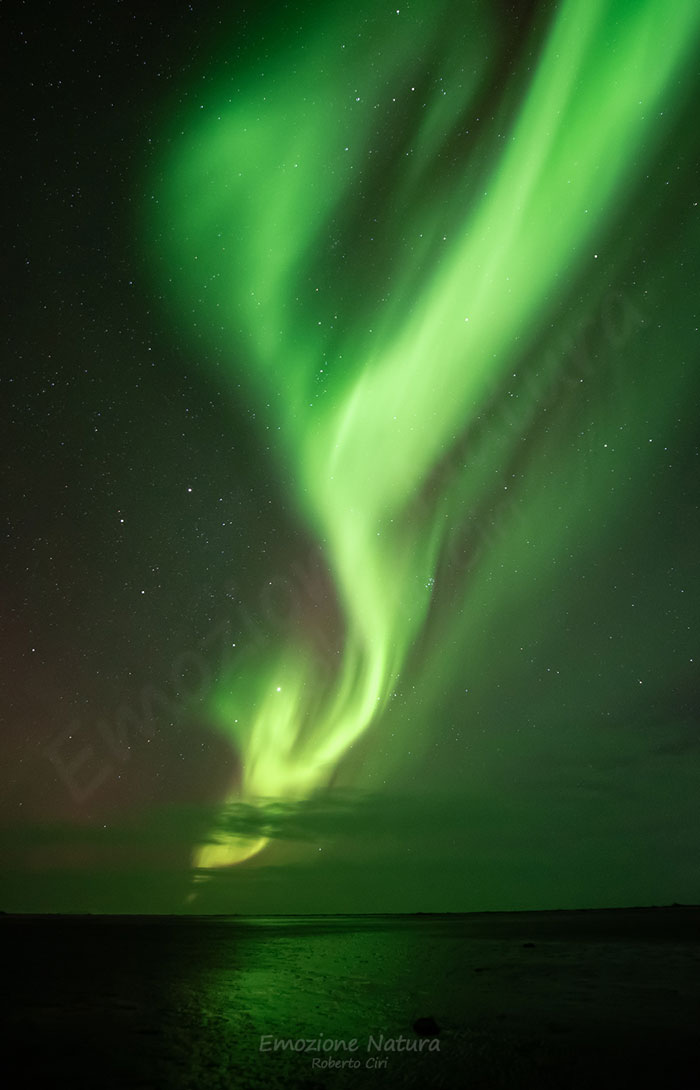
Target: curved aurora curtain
x,y
380,224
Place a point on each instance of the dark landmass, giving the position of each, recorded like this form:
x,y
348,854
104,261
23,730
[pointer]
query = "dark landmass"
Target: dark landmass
x,y
555,999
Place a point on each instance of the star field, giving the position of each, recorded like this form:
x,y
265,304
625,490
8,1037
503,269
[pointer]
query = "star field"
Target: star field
x,y
351,458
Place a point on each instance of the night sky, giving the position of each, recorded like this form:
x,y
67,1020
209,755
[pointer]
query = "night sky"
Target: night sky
x,y
350,431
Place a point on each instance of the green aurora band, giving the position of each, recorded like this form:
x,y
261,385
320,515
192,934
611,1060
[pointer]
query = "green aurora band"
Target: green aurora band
x,y
489,225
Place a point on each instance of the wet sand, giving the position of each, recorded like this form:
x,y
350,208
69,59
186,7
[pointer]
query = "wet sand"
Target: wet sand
x,y
537,999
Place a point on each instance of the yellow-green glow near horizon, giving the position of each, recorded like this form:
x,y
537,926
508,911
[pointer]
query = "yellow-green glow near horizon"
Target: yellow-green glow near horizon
x,y
254,187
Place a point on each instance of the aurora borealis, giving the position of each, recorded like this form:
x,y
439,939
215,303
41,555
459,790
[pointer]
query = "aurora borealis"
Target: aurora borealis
x,y
355,421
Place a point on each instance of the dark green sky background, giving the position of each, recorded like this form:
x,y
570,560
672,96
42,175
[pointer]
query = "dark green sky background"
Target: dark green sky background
x,y
540,746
